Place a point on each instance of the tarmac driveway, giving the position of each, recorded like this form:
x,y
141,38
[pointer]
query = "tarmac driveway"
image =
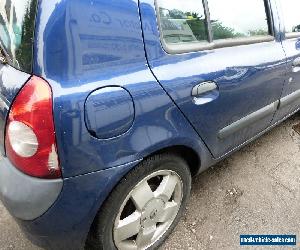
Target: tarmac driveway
x,y
255,191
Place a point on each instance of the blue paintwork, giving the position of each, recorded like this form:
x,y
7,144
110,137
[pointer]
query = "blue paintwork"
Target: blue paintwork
x,y
84,48
116,34
109,112
292,82
249,77
67,223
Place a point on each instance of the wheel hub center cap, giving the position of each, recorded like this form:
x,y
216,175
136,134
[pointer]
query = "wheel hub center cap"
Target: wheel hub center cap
x,y
151,212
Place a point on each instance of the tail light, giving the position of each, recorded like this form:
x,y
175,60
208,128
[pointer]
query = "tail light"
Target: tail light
x,y
30,135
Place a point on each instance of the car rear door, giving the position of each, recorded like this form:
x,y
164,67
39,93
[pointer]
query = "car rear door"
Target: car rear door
x,y
290,28
220,61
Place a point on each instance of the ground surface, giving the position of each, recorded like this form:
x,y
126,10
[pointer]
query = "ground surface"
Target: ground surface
x,y
255,191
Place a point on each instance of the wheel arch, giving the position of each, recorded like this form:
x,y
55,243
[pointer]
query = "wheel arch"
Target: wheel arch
x,y
188,154
191,157
192,150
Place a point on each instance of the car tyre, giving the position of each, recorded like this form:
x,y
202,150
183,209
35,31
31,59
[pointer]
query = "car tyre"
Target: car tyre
x,y
144,207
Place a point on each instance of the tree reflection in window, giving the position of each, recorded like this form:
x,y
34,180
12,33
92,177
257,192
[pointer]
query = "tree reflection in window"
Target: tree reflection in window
x,y
24,50
17,20
178,26
182,21
185,21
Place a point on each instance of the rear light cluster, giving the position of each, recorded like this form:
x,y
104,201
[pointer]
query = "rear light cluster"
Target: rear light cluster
x,y
30,135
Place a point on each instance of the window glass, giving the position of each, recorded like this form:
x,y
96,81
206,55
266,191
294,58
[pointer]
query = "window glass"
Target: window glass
x,y
291,15
182,21
238,18
17,19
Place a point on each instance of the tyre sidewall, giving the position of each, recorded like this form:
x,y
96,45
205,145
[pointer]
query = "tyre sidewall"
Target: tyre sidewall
x,y
102,238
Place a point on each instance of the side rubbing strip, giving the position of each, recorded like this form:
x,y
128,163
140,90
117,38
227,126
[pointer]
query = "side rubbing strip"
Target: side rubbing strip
x,y
248,120
285,101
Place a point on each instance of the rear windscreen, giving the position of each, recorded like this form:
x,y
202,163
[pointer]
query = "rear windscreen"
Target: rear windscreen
x,y
17,18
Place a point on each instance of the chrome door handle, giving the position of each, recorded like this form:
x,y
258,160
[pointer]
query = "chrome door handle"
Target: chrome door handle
x,y
296,65
203,88
296,62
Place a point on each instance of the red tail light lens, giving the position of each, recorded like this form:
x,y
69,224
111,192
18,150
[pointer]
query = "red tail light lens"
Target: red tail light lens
x,y
30,135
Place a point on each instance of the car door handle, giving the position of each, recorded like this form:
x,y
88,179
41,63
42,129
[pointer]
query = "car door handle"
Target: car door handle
x,y
203,88
296,65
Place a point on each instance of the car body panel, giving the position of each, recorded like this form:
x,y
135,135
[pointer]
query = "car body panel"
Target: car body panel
x,y
109,112
249,78
290,99
27,198
67,223
83,47
157,121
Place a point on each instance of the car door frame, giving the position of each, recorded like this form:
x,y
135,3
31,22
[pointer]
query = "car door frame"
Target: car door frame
x,y
290,97
276,35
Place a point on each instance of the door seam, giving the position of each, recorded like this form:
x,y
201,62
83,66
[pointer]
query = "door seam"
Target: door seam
x,y
149,67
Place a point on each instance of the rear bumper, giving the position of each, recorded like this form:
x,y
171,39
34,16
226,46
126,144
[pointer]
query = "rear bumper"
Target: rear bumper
x,y
65,225
26,198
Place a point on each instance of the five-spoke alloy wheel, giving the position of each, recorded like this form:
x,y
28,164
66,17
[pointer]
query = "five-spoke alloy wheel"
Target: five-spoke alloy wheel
x,y
144,207
156,202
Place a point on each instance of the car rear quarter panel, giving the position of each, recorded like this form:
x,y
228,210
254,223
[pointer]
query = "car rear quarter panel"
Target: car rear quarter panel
x,y
82,46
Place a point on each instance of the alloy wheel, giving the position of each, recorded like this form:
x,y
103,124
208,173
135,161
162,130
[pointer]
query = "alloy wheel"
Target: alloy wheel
x,y
148,211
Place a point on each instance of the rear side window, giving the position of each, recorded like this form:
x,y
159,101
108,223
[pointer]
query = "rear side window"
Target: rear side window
x,y
291,15
17,18
182,21
212,21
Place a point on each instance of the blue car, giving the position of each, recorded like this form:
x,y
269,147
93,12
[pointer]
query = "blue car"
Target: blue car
x,y
108,108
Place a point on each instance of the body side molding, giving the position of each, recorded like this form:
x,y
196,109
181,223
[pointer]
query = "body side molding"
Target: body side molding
x,y
248,120
289,99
